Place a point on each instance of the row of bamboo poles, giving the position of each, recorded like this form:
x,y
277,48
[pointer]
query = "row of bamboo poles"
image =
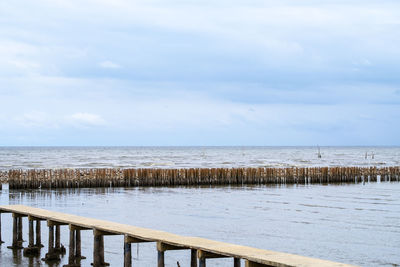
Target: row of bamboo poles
x,y
78,178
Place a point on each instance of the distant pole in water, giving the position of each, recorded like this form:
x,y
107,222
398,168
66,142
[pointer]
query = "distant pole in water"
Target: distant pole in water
x,y
372,155
319,153
366,155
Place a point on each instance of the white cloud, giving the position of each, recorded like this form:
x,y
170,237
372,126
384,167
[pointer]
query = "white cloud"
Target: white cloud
x,y
34,119
109,65
85,119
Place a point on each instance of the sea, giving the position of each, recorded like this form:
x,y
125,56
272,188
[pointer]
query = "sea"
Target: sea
x,y
350,223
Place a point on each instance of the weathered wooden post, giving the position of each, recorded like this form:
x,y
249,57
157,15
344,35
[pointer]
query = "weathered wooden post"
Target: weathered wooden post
x,y
15,242
127,252
160,257
20,240
72,246
98,255
203,255
74,251
51,255
193,258
98,248
58,242
254,264
38,234
236,262
31,249
161,248
128,248
1,240
78,252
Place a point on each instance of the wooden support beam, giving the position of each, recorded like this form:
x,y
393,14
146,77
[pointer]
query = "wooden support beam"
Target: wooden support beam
x,y
75,227
100,232
55,223
255,264
30,217
209,255
131,239
161,246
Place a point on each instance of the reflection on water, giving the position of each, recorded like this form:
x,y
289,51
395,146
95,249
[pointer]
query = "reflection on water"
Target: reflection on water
x,y
357,224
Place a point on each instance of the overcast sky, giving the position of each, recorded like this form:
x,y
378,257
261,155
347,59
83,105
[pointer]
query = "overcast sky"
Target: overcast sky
x,y
238,72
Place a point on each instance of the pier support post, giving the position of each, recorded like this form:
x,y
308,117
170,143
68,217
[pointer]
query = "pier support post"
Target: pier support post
x,y
15,242
58,236
193,258
128,240
203,255
161,248
160,257
38,234
20,240
98,249
74,251
72,247
51,255
254,264
202,262
31,250
127,252
78,251
1,240
236,262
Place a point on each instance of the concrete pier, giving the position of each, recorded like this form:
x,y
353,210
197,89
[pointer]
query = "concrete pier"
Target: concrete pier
x,y
200,249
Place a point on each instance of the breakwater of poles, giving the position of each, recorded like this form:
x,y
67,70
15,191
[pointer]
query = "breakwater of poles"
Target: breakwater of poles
x,y
85,178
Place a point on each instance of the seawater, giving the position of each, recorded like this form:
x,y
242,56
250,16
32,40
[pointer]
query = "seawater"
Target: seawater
x,y
186,157
351,223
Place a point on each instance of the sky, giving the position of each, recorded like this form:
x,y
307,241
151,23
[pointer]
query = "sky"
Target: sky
x,y
176,73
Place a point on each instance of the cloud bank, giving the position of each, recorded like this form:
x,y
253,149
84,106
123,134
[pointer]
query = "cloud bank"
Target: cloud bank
x,y
98,72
